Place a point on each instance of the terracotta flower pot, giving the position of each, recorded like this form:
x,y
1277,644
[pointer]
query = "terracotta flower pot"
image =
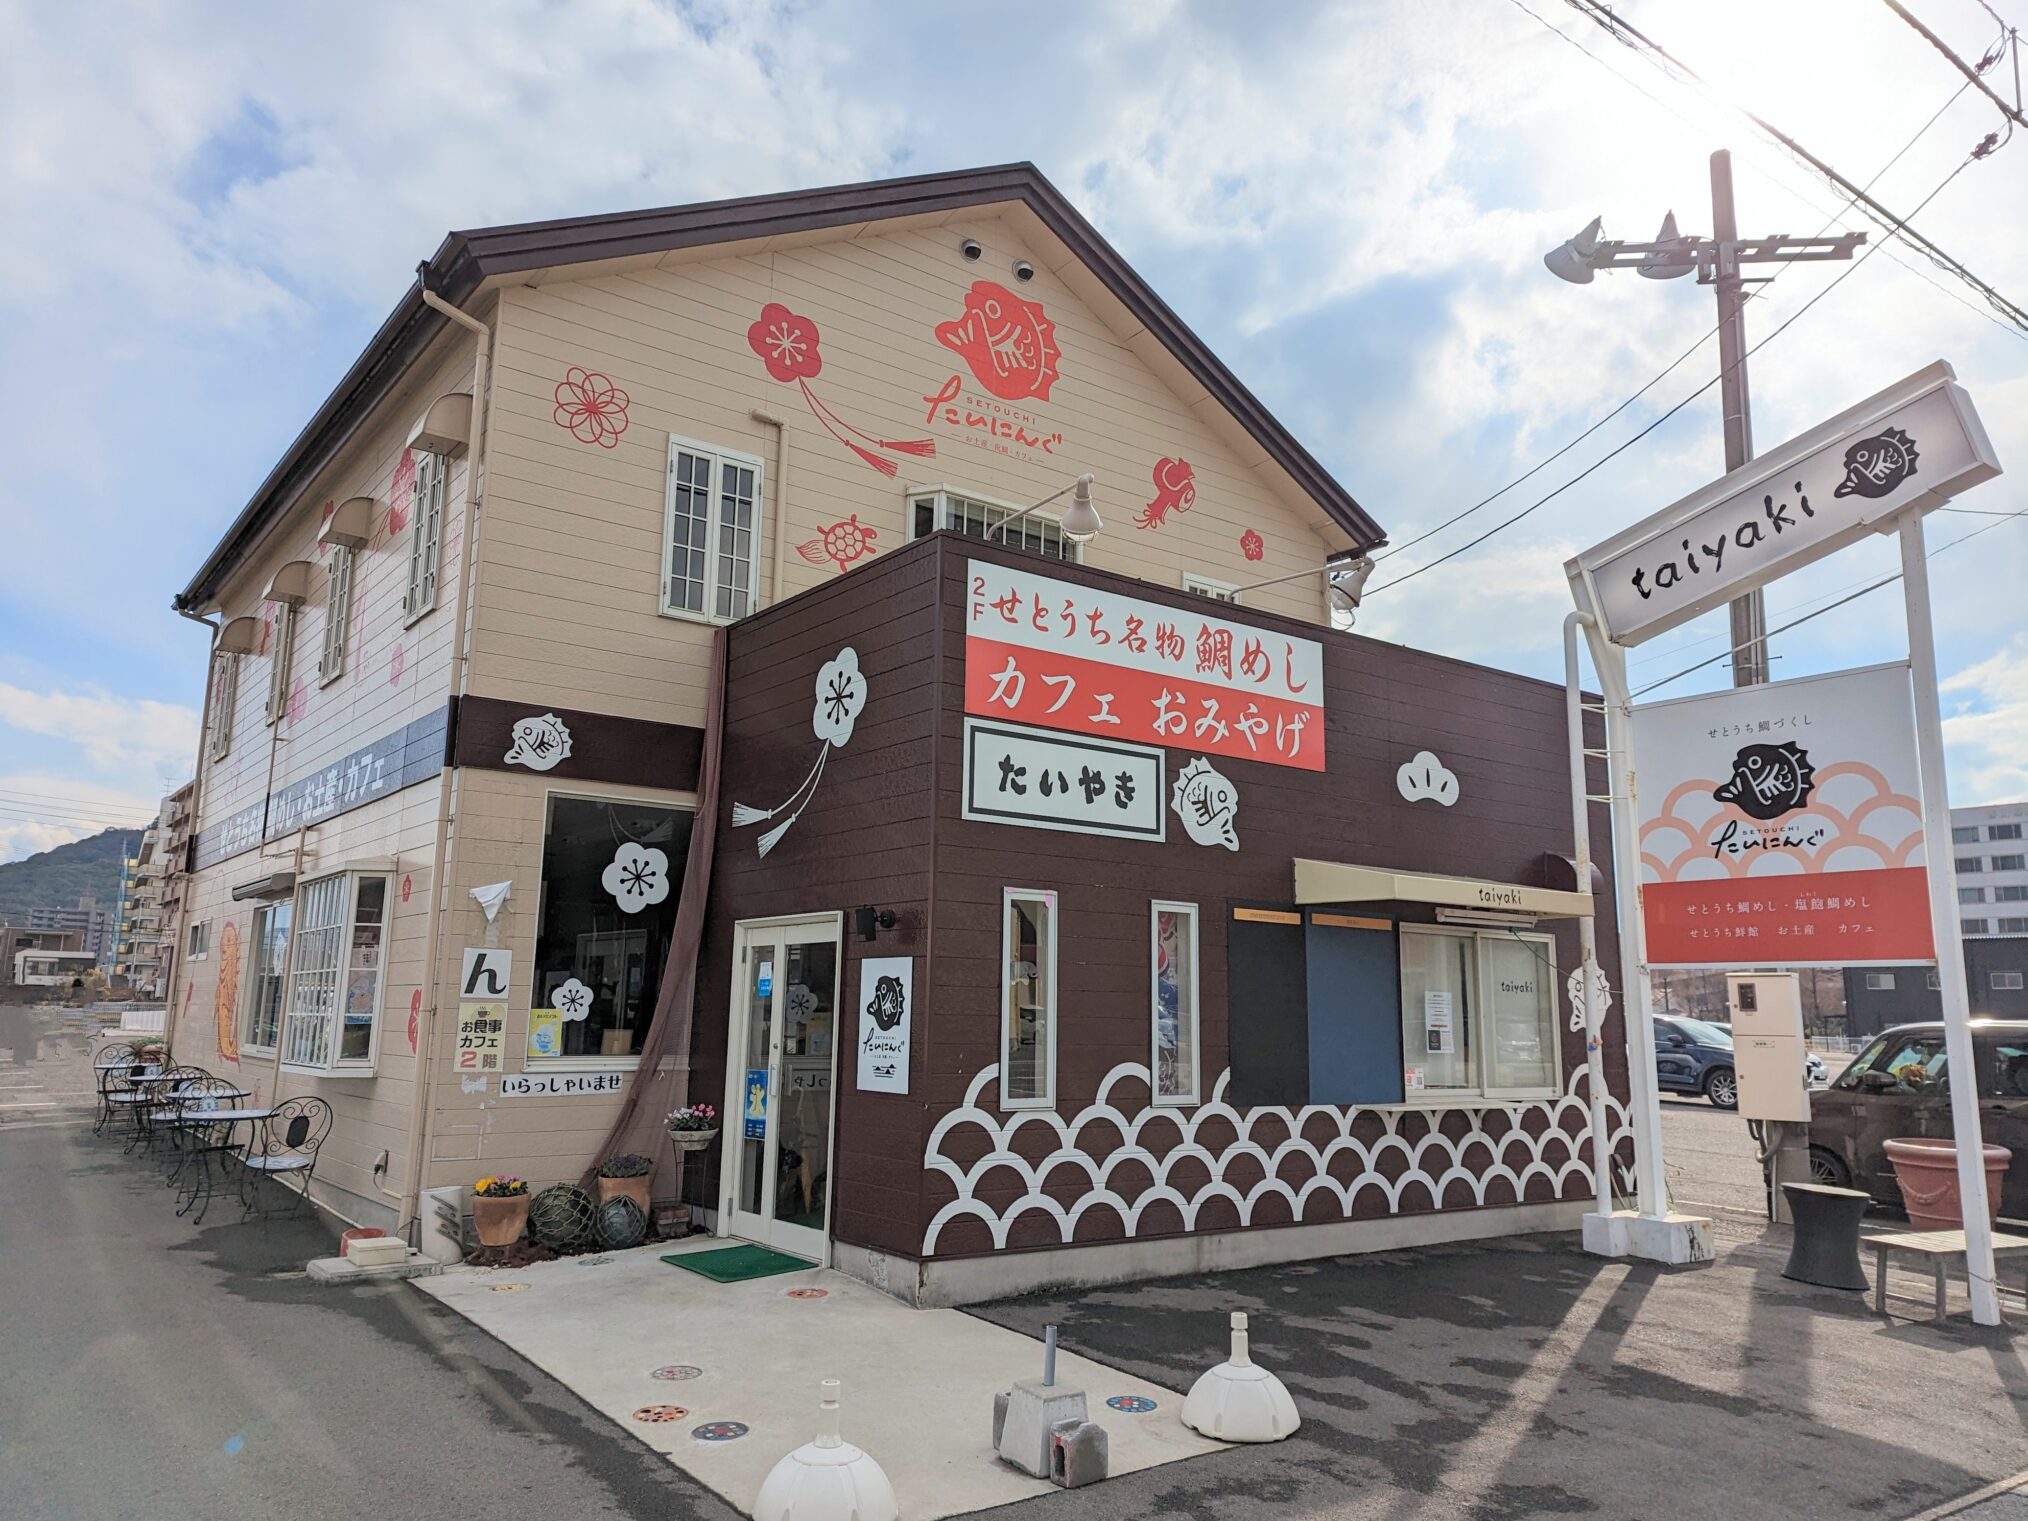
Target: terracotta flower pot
x,y
1927,1171
499,1221
625,1188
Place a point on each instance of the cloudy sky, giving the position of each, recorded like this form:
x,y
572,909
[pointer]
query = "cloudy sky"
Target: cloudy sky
x,y
211,207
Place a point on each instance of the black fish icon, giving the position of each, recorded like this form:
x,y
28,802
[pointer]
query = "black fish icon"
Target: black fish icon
x,y
1875,466
1769,780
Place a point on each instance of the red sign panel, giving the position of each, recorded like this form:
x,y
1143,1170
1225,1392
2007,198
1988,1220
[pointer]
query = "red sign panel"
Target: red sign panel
x,y
1830,917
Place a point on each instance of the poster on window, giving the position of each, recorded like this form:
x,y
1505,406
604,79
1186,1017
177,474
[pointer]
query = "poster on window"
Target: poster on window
x,y
1439,1026
1034,779
1048,653
886,1010
482,1036
1781,825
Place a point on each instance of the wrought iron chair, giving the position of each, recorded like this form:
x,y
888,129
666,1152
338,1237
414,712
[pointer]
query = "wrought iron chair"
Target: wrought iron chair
x,y
285,1143
115,1077
154,1121
198,1139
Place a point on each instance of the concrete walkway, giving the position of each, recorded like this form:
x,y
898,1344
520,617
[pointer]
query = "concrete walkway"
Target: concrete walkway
x,y
918,1384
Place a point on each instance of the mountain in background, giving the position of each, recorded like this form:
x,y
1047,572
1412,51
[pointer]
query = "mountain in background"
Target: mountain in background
x,y
58,878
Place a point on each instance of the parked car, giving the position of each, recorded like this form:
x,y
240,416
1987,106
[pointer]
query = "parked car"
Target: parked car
x,y
1815,1070
1695,1056
1899,1085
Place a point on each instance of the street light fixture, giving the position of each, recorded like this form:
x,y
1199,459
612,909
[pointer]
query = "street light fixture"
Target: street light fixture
x,y
1080,521
1717,260
1345,587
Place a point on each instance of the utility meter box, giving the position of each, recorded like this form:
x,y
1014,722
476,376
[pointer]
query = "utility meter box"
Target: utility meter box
x,y
1767,1045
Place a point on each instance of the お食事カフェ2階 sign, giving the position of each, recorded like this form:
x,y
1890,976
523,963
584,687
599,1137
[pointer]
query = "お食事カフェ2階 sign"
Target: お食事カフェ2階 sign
x,y
1909,448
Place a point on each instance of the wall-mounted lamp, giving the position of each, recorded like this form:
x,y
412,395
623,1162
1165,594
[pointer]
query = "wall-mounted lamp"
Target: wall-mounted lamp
x,y
1347,583
872,920
1080,521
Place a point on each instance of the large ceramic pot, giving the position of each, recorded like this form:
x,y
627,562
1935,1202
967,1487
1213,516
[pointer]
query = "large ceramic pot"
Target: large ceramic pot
x,y
1926,1169
499,1221
625,1188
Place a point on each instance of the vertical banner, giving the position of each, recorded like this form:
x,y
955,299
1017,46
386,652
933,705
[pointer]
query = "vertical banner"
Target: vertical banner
x,y
481,1036
886,993
1781,825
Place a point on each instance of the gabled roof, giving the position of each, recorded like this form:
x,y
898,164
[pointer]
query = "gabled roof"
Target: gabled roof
x,y
466,260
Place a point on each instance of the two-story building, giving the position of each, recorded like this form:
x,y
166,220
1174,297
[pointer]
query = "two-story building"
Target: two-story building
x,y
632,687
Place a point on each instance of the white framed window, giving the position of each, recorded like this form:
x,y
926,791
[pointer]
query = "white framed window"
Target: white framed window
x,y
1204,586
1478,1014
2010,863
280,660
1970,865
1973,894
331,1006
337,614
1965,834
224,694
1976,927
2005,982
2017,894
197,941
1027,998
1172,978
711,533
2001,832
267,971
425,536
933,507
2013,926
1879,982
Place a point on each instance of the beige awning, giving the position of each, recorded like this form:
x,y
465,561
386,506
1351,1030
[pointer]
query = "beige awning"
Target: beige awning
x,y
1335,882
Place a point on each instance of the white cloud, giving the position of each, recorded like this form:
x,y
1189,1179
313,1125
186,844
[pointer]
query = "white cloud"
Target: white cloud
x,y
1988,732
40,810
116,734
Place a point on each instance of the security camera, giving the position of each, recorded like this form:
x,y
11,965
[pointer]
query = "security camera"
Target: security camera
x,y
973,250
1023,270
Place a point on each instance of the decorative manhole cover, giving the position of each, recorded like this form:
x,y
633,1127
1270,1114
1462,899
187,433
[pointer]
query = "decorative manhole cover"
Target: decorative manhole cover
x,y
506,1288
718,1431
593,1261
656,1415
808,1293
676,1372
1131,1404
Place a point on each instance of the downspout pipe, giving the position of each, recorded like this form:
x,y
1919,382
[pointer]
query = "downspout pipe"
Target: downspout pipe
x,y
1587,926
196,800
441,859
779,514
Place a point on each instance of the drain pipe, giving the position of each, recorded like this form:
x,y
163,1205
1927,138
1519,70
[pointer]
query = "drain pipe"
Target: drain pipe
x,y
441,858
1587,926
176,939
779,513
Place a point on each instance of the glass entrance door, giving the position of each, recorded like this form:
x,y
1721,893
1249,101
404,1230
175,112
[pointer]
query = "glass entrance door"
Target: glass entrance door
x,y
784,1054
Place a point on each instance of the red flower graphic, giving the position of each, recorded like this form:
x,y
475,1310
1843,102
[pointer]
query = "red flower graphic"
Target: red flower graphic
x,y
1251,545
395,662
591,407
1009,343
1175,491
787,345
841,542
400,491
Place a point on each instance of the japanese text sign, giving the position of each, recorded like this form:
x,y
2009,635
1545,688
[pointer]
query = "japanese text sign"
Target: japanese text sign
x,y
1045,652
1040,780
886,992
482,1036
1782,825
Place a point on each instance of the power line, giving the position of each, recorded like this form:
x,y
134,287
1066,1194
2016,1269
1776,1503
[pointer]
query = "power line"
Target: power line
x,y
21,796
1972,75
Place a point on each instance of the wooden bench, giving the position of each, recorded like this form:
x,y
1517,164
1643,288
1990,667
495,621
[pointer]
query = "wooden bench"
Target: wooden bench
x,y
1940,1249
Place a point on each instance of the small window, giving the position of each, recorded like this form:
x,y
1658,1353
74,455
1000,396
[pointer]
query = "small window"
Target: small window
x,y
2001,832
1027,999
1976,894
2013,927
1478,1014
197,941
1965,834
1173,932
1036,533
280,660
1970,865
267,968
337,615
2009,894
1906,1062
1204,586
711,539
425,535
331,1010
1976,927
1879,982
1933,980
2005,982
224,694
2010,863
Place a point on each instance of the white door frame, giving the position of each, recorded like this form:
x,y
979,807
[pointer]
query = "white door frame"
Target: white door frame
x,y
744,933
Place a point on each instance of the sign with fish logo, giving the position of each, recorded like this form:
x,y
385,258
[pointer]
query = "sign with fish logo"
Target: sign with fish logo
x,y
1781,825
1007,342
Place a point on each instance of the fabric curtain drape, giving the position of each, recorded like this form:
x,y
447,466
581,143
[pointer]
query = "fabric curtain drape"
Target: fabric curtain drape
x,y
662,1080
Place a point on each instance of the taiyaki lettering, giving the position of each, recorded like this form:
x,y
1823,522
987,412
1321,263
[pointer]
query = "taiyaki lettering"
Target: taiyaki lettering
x,y
1875,466
1768,780
1009,343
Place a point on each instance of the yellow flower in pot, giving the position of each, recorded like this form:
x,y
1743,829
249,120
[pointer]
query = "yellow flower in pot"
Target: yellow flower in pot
x,y
499,1210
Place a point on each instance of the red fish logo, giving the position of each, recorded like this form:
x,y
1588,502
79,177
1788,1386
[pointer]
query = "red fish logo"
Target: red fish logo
x,y
1009,343
1175,491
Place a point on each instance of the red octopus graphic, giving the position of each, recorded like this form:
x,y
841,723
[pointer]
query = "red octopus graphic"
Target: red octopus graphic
x,y
788,345
1175,491
1252,545
1009,343
841,543
591,407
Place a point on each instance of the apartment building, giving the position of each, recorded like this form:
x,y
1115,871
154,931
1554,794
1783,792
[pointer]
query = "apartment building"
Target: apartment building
x,y
97,926
514,821
142,943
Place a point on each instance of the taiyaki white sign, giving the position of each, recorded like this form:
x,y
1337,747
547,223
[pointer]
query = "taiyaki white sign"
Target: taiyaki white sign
x,y
1207,803
539,743
1911,447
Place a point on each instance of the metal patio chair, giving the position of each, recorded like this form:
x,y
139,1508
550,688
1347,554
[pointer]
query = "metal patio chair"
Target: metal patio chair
x,y
284,1144
152,1121
199,1139
114,1078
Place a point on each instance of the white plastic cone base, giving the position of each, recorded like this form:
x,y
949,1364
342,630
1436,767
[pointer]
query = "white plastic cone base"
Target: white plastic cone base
x,y
1241,1402
816,1483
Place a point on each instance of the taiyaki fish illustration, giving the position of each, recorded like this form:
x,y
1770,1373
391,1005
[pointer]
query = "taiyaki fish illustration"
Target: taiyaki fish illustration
x,y
1175,491
1875,466
1009,343
539,743
1207,803
1768,780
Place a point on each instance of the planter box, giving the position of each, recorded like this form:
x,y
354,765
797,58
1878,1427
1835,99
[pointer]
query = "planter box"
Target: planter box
x,y
1926,1169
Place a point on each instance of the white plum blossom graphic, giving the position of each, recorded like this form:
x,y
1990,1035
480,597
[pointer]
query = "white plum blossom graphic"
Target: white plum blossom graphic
x,y
841,696
573,1000
637,877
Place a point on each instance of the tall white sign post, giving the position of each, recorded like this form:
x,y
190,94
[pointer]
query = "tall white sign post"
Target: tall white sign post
x,y
1878,467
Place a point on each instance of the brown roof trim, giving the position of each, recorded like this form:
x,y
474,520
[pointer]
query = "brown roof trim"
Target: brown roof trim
x,y
467,259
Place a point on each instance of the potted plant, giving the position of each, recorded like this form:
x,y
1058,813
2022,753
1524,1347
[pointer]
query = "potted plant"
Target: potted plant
x,y
692,1128
625,1176
499,1210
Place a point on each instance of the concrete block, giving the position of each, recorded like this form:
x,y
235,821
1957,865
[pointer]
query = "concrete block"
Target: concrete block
x,y
376,1251
1034,1411
1079,1453
345,1270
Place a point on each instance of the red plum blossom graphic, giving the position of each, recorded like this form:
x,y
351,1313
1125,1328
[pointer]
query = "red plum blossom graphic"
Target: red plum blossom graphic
x,y
400,492
591,407
1252,545
842,543
395,662
788,345
1008,343
1175,491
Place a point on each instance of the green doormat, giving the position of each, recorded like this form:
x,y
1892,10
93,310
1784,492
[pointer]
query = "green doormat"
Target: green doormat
x,y
736,1264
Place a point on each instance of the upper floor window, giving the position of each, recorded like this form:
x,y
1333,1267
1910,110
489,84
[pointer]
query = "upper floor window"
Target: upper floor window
x,y
939,507
425,535
1973,894
711,542
1969,864
1204,586
1977,927
1965,834
224,693
337,614
2010,863
2002,832
284,649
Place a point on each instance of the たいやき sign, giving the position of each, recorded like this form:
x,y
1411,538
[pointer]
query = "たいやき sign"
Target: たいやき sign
x,y
1050,654
1781,825
1039,779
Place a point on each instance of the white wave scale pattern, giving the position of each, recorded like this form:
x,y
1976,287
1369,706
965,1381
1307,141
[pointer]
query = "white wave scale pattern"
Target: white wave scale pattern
x,y
1435,1161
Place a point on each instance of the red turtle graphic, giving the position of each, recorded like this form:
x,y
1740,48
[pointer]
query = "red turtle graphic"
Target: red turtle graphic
x,y
841,543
